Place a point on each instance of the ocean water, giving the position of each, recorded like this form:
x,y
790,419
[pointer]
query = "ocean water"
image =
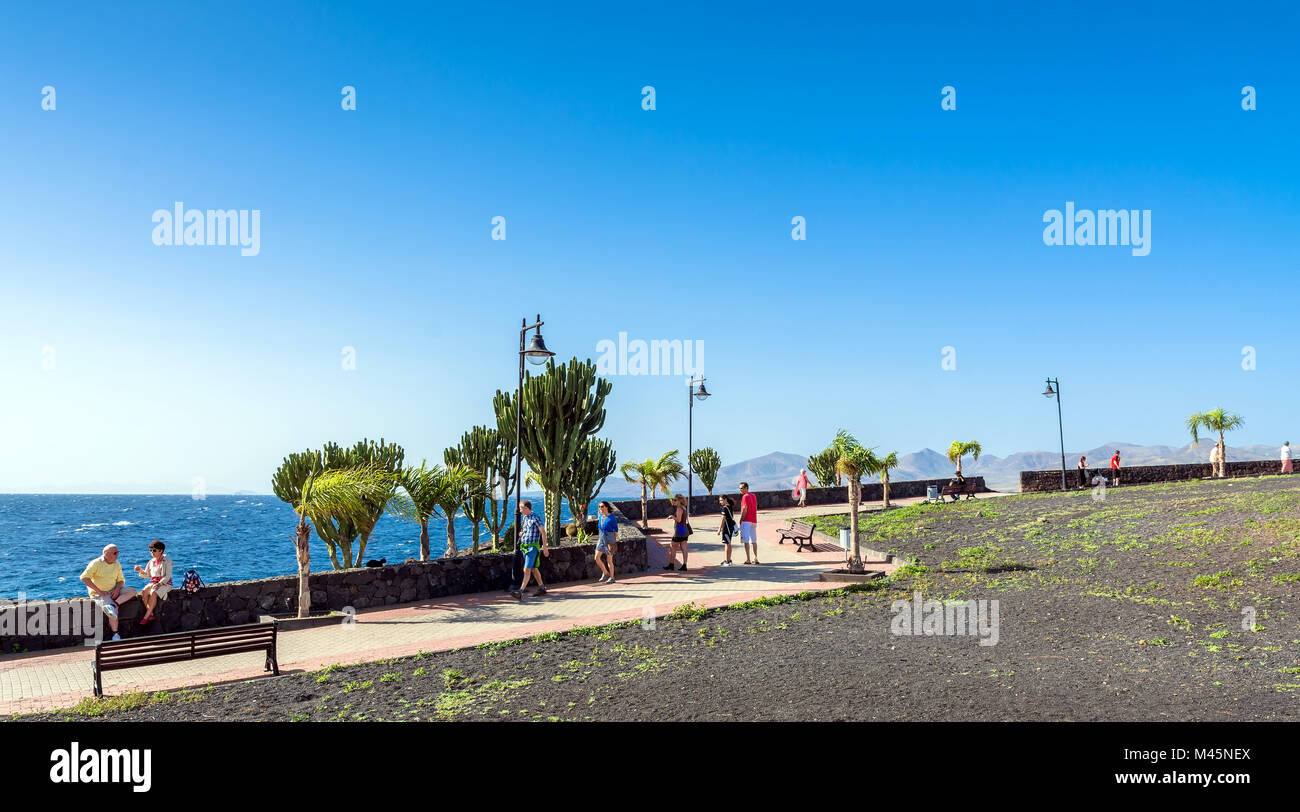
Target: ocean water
x,y
46,539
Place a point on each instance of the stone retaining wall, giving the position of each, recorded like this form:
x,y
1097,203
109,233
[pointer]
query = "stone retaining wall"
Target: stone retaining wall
x,y
236,602
771,500
1038,481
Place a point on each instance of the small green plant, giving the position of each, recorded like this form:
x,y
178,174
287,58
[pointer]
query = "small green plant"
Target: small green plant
x,y
688,611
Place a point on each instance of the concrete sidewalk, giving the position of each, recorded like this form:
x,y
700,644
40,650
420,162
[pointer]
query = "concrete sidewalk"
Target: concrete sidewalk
x,y
48,680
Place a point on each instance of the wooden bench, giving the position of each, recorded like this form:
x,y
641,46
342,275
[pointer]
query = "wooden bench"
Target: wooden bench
x,y
967,489
800,533
170,648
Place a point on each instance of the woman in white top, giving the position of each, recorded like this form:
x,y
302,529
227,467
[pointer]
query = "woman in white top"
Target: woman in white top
x,y
159,573
1286,457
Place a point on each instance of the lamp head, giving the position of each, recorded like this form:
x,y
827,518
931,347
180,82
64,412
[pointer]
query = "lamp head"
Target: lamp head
x,y
537,352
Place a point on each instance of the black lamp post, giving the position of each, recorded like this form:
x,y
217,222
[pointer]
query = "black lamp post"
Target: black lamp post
x,y
536,353
1056,393
692,394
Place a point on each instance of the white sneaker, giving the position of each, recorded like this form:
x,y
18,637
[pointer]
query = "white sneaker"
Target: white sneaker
x,y
603,576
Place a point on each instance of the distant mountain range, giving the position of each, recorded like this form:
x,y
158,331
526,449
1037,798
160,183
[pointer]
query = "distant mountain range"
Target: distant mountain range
x,y
777,471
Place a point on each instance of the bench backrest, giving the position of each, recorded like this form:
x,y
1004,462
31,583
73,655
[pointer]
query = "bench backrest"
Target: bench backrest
x,y
178,646
801,527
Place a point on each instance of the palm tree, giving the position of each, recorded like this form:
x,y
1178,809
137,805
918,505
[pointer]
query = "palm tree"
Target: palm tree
x,y
883,465
346,493
652,475
436,489
854,461
959,449
1215,420
461,484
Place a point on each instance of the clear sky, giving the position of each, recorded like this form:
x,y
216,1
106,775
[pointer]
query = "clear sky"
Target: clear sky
x,y
924,226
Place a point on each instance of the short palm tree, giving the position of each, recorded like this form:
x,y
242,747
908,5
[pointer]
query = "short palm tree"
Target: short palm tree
x,y
884,463
959,449
346,493
1215,420
435,490
652,475
461,484
854,461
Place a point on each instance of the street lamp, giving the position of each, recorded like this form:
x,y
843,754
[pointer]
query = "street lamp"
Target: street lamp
x,y
692,394
1056,393
536,353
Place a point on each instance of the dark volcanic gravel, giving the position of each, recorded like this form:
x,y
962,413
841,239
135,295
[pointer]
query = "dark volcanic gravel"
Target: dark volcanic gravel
x,y
1125,609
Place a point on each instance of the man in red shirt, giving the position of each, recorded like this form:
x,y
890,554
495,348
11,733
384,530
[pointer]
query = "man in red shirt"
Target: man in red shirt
x,y
1114,468
749,522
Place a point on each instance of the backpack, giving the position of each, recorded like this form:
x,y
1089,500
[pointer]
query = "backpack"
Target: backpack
x,y
192,581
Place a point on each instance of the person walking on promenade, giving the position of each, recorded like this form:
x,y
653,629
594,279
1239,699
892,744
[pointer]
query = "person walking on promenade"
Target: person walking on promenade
x,y
1286,458
727,527
607,542
103,579
1114,468
749,522
680,533
159,573
531,534
801,487
1083,472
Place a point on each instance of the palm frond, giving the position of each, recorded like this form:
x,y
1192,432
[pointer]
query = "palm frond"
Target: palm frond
x,y
342,494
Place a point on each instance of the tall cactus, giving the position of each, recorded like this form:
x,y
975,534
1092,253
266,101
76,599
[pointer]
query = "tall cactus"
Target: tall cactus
x,y
822,465
473,454
705,462
592,465
491,454
562,407
288,480
500,482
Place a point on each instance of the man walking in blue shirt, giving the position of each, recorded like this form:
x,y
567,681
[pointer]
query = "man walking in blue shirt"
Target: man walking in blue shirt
x,y
531,535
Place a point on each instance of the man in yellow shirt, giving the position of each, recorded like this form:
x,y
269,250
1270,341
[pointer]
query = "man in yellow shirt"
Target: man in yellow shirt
x,y
103,579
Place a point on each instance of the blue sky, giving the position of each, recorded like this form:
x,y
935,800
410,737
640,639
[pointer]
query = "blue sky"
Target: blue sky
x,y
924,226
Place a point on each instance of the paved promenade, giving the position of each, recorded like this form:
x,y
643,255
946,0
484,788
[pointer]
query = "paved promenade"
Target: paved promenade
x,y
47,680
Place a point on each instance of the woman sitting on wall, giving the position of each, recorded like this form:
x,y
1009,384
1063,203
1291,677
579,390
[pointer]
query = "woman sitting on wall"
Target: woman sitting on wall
x,y
159,573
